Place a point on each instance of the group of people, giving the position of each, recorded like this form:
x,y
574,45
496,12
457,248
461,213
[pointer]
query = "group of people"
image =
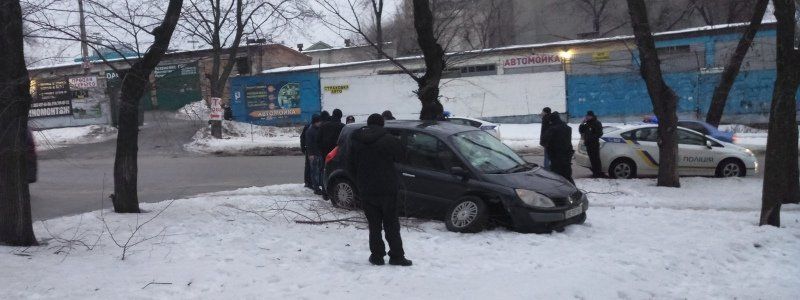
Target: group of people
x,y
556,138
372,158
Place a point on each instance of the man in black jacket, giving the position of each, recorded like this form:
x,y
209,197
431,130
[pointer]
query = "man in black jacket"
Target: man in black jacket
x,y
557,141
314,154
591,131
329,132
545,124
371,162
304,149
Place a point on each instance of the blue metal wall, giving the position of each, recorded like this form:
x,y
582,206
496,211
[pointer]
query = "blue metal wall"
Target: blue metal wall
x,y
275,99
625,94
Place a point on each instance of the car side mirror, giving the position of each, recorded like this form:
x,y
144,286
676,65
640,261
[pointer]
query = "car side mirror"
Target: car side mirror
x,y
709,145
460,172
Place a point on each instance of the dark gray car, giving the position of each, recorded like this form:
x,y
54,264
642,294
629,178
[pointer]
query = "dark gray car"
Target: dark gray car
x,y
466,177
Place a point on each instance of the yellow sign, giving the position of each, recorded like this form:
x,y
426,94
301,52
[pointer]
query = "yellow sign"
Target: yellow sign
x,y
601,56
336,89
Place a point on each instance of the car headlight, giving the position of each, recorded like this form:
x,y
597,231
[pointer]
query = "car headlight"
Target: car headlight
x,y
534,199
748,152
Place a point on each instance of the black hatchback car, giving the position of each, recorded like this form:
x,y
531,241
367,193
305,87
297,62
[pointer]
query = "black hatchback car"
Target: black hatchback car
x,y
466,177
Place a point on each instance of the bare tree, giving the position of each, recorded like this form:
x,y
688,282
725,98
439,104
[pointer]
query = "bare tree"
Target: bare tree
x,y
734,64
780,171
600,12
715,12
15,99
664,99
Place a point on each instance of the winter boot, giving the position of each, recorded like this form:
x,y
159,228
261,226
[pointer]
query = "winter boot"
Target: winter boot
x,y
401,261
376,260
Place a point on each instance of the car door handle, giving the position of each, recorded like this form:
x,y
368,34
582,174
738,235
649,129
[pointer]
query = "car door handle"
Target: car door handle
x,y
409,175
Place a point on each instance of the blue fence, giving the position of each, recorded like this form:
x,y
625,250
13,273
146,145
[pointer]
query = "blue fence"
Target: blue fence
x,y
625,94
275,99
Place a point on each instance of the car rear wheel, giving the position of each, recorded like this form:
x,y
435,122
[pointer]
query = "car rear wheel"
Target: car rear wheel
x,y
622,168
343,194
468,215
731,168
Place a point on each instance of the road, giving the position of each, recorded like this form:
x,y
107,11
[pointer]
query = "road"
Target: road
x,y
79,179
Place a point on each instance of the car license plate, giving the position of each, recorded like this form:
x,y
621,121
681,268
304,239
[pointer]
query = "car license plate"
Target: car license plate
x,y
574,212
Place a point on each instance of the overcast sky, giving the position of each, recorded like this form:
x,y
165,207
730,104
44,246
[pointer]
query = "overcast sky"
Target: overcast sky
x,y
48,52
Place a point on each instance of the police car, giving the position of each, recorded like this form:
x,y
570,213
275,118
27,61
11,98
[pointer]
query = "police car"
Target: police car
x,y
631,151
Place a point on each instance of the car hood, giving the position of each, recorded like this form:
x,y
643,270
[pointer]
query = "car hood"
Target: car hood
x,y
538,180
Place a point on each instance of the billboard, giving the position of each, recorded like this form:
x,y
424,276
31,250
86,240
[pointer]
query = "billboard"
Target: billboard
x,y
51,98
275,99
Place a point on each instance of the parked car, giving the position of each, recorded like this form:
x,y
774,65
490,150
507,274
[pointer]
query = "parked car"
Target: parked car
x,y
631,151
701,127
466,177
489,127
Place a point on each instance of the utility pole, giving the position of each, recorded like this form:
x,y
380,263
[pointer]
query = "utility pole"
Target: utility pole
x,y
84,45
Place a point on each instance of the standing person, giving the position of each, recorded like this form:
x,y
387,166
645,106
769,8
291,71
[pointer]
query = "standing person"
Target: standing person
x,y
591,131
557,141
329,132
350,120
387,115
545,124
304,149
373,155
314,154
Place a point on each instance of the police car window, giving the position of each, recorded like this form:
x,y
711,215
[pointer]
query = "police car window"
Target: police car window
x,y
427,152
688,138
646,135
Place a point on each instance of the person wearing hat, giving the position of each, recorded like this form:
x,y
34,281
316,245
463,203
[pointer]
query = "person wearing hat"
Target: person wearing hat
x,y
350,120
591,131
304,149
314,154
372,157
557,141
545,123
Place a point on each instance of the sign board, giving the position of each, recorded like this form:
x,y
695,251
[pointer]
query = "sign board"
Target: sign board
x,y
539,59
601,56
184,69
336,89
83,82
273,100
276,99
217,112
52,98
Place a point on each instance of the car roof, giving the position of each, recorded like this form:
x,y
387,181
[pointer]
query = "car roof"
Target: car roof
x,y
626,127
473,119
439,129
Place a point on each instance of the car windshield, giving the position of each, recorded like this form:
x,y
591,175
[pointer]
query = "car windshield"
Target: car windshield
x,y
487,153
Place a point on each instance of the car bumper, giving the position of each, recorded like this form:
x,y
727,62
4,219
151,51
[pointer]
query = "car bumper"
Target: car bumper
x,y
531,220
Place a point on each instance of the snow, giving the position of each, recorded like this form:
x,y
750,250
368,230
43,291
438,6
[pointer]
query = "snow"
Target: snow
x,y
194,111
246,139
62,137
701,241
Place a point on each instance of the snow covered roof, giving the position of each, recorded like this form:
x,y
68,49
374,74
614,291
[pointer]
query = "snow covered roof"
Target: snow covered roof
x,y
513,47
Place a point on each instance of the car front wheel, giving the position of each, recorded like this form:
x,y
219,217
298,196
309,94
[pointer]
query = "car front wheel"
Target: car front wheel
x,y
343,194
468,215
731,168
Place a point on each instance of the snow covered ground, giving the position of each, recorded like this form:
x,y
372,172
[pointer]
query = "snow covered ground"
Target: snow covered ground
x,y
194,111
62,137
246,139
639,242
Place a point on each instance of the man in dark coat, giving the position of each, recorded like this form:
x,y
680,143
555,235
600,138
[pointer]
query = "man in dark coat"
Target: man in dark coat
x,y
387,115
304,149
314,154
557,141
371,162
591,131
329,132
545,124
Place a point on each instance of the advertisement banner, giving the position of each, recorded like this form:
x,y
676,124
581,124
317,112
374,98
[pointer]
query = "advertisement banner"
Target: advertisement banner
x,y
51,98
276,99
532,60
83,82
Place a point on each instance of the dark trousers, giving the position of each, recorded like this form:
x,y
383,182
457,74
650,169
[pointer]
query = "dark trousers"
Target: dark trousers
x,y
307,173
593,149
561,164
383,216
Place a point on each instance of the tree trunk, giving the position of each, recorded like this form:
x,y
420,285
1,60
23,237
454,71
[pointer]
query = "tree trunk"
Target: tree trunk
x,y
15,99
780,167
125,198
722,90
665,101
377,9
433,53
